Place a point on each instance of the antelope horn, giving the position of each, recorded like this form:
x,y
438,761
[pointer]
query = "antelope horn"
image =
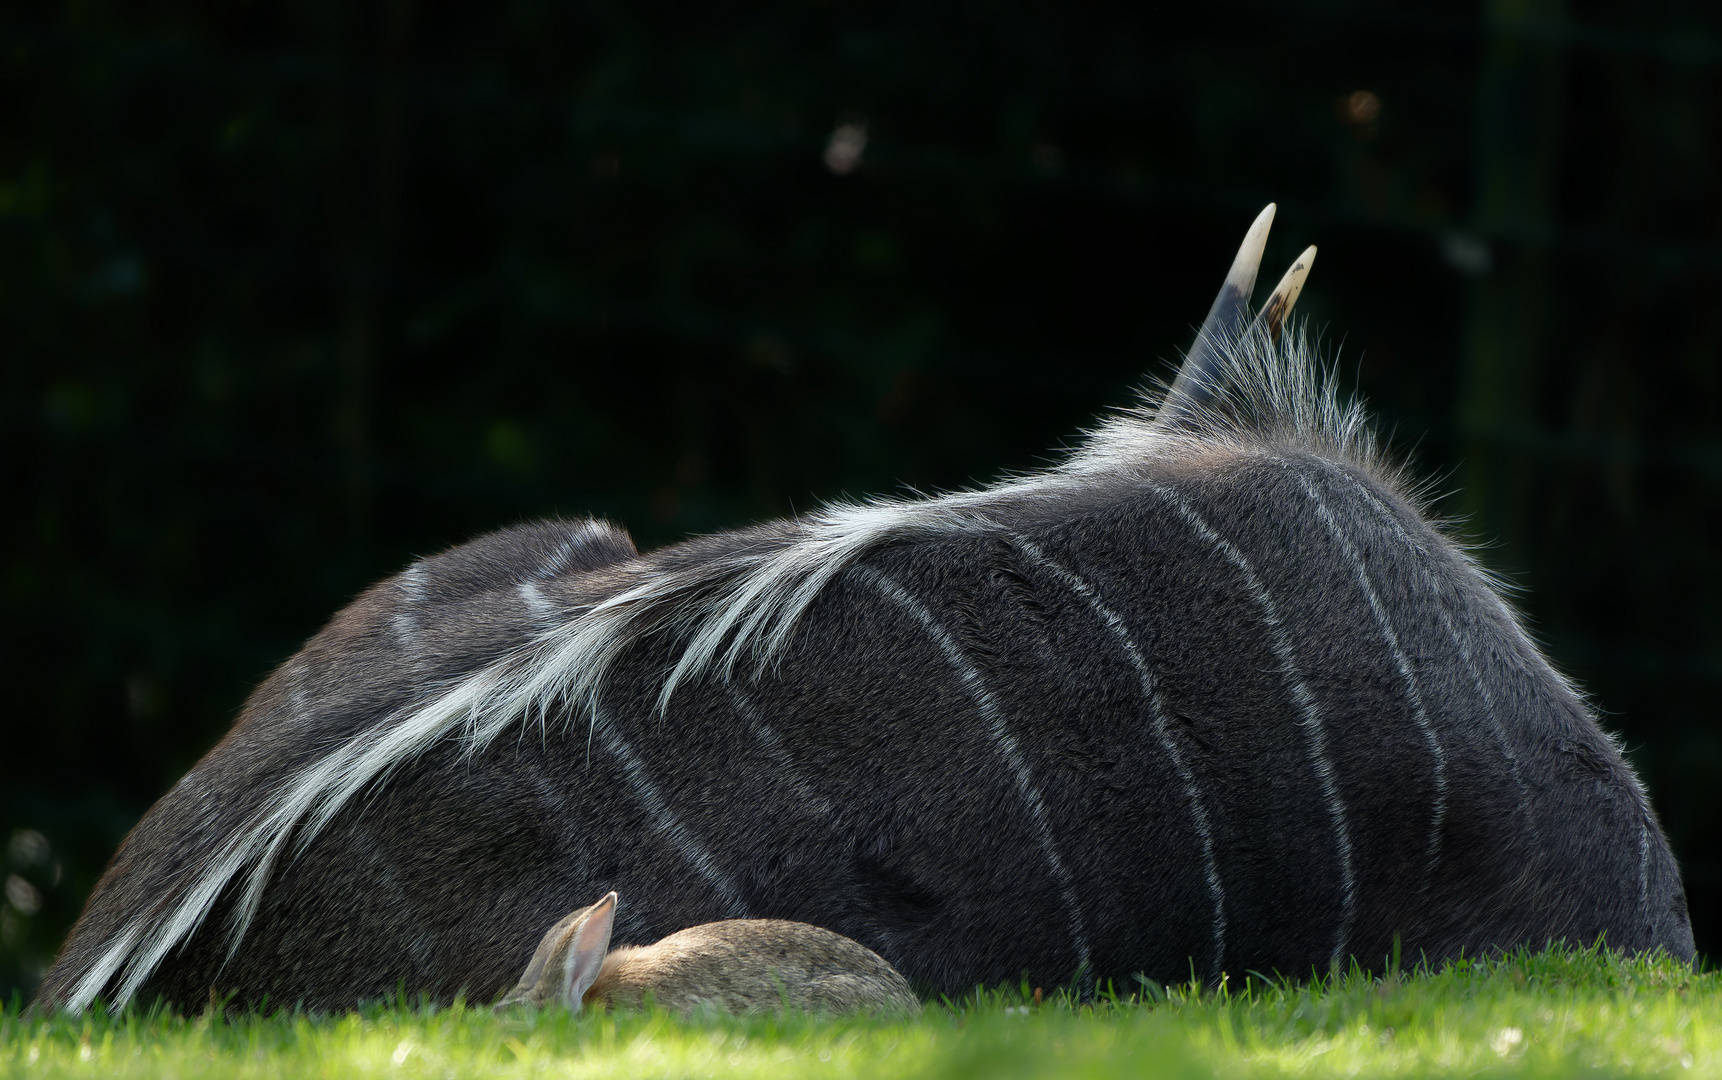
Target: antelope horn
x,y
1274,313
1197,379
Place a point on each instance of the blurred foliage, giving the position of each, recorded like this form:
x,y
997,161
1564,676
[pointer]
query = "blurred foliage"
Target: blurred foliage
x,y
294,293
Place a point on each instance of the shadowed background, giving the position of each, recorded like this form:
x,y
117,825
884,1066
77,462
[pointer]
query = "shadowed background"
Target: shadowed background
x,y
292,294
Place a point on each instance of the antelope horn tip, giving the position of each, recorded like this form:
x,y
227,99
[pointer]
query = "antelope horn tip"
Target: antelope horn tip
x,y
1196,381
1278,307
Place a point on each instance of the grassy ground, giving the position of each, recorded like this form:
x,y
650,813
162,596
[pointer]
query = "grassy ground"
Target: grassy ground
x,y
1554,1014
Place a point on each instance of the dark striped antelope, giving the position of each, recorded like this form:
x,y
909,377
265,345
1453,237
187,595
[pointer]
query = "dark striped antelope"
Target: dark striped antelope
x,y
1210,695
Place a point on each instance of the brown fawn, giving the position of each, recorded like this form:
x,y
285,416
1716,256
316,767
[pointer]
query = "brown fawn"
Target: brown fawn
x,y
737,965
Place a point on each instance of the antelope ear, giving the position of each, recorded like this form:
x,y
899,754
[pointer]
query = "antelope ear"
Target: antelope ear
x,y
583,957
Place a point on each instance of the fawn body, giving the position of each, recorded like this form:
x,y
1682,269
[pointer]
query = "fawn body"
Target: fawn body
x,y
736,965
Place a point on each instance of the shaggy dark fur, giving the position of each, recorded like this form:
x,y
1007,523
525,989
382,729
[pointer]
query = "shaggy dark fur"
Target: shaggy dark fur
x,y
1209,696
862,785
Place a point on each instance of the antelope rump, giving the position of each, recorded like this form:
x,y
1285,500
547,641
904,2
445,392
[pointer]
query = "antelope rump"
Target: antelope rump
x,y
1212,694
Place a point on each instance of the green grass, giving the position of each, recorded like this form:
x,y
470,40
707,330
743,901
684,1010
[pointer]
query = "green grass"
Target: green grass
x,y
1553,1013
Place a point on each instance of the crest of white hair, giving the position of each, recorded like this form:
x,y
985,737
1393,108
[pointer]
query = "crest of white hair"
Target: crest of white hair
x,y
742,605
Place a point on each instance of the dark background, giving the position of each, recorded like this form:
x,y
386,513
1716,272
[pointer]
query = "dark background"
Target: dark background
x,y
291,293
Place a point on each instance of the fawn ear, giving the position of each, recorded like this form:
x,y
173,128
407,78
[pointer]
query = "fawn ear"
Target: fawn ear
x,y
575,961
569,955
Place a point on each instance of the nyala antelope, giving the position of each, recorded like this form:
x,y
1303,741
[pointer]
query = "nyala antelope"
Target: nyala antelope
x,y
1211,695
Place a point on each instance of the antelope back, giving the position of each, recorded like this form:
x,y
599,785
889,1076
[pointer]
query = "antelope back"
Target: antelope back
x,y
1211,694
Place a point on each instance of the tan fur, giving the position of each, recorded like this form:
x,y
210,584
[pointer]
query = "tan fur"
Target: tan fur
x,y
567,958
752,965
739,965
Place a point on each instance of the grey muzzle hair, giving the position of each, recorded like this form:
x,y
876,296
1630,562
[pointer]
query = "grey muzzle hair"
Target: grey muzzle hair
x,y
1210,695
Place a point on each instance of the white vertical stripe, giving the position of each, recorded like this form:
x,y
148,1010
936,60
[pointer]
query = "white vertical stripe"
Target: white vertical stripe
x,y
885,941
665,819
1308,710
1438,809
405,623
580,534
299,697
1004,741
1482,687
1157,710
1459,642
558,560
1644,873
533,598
773,743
